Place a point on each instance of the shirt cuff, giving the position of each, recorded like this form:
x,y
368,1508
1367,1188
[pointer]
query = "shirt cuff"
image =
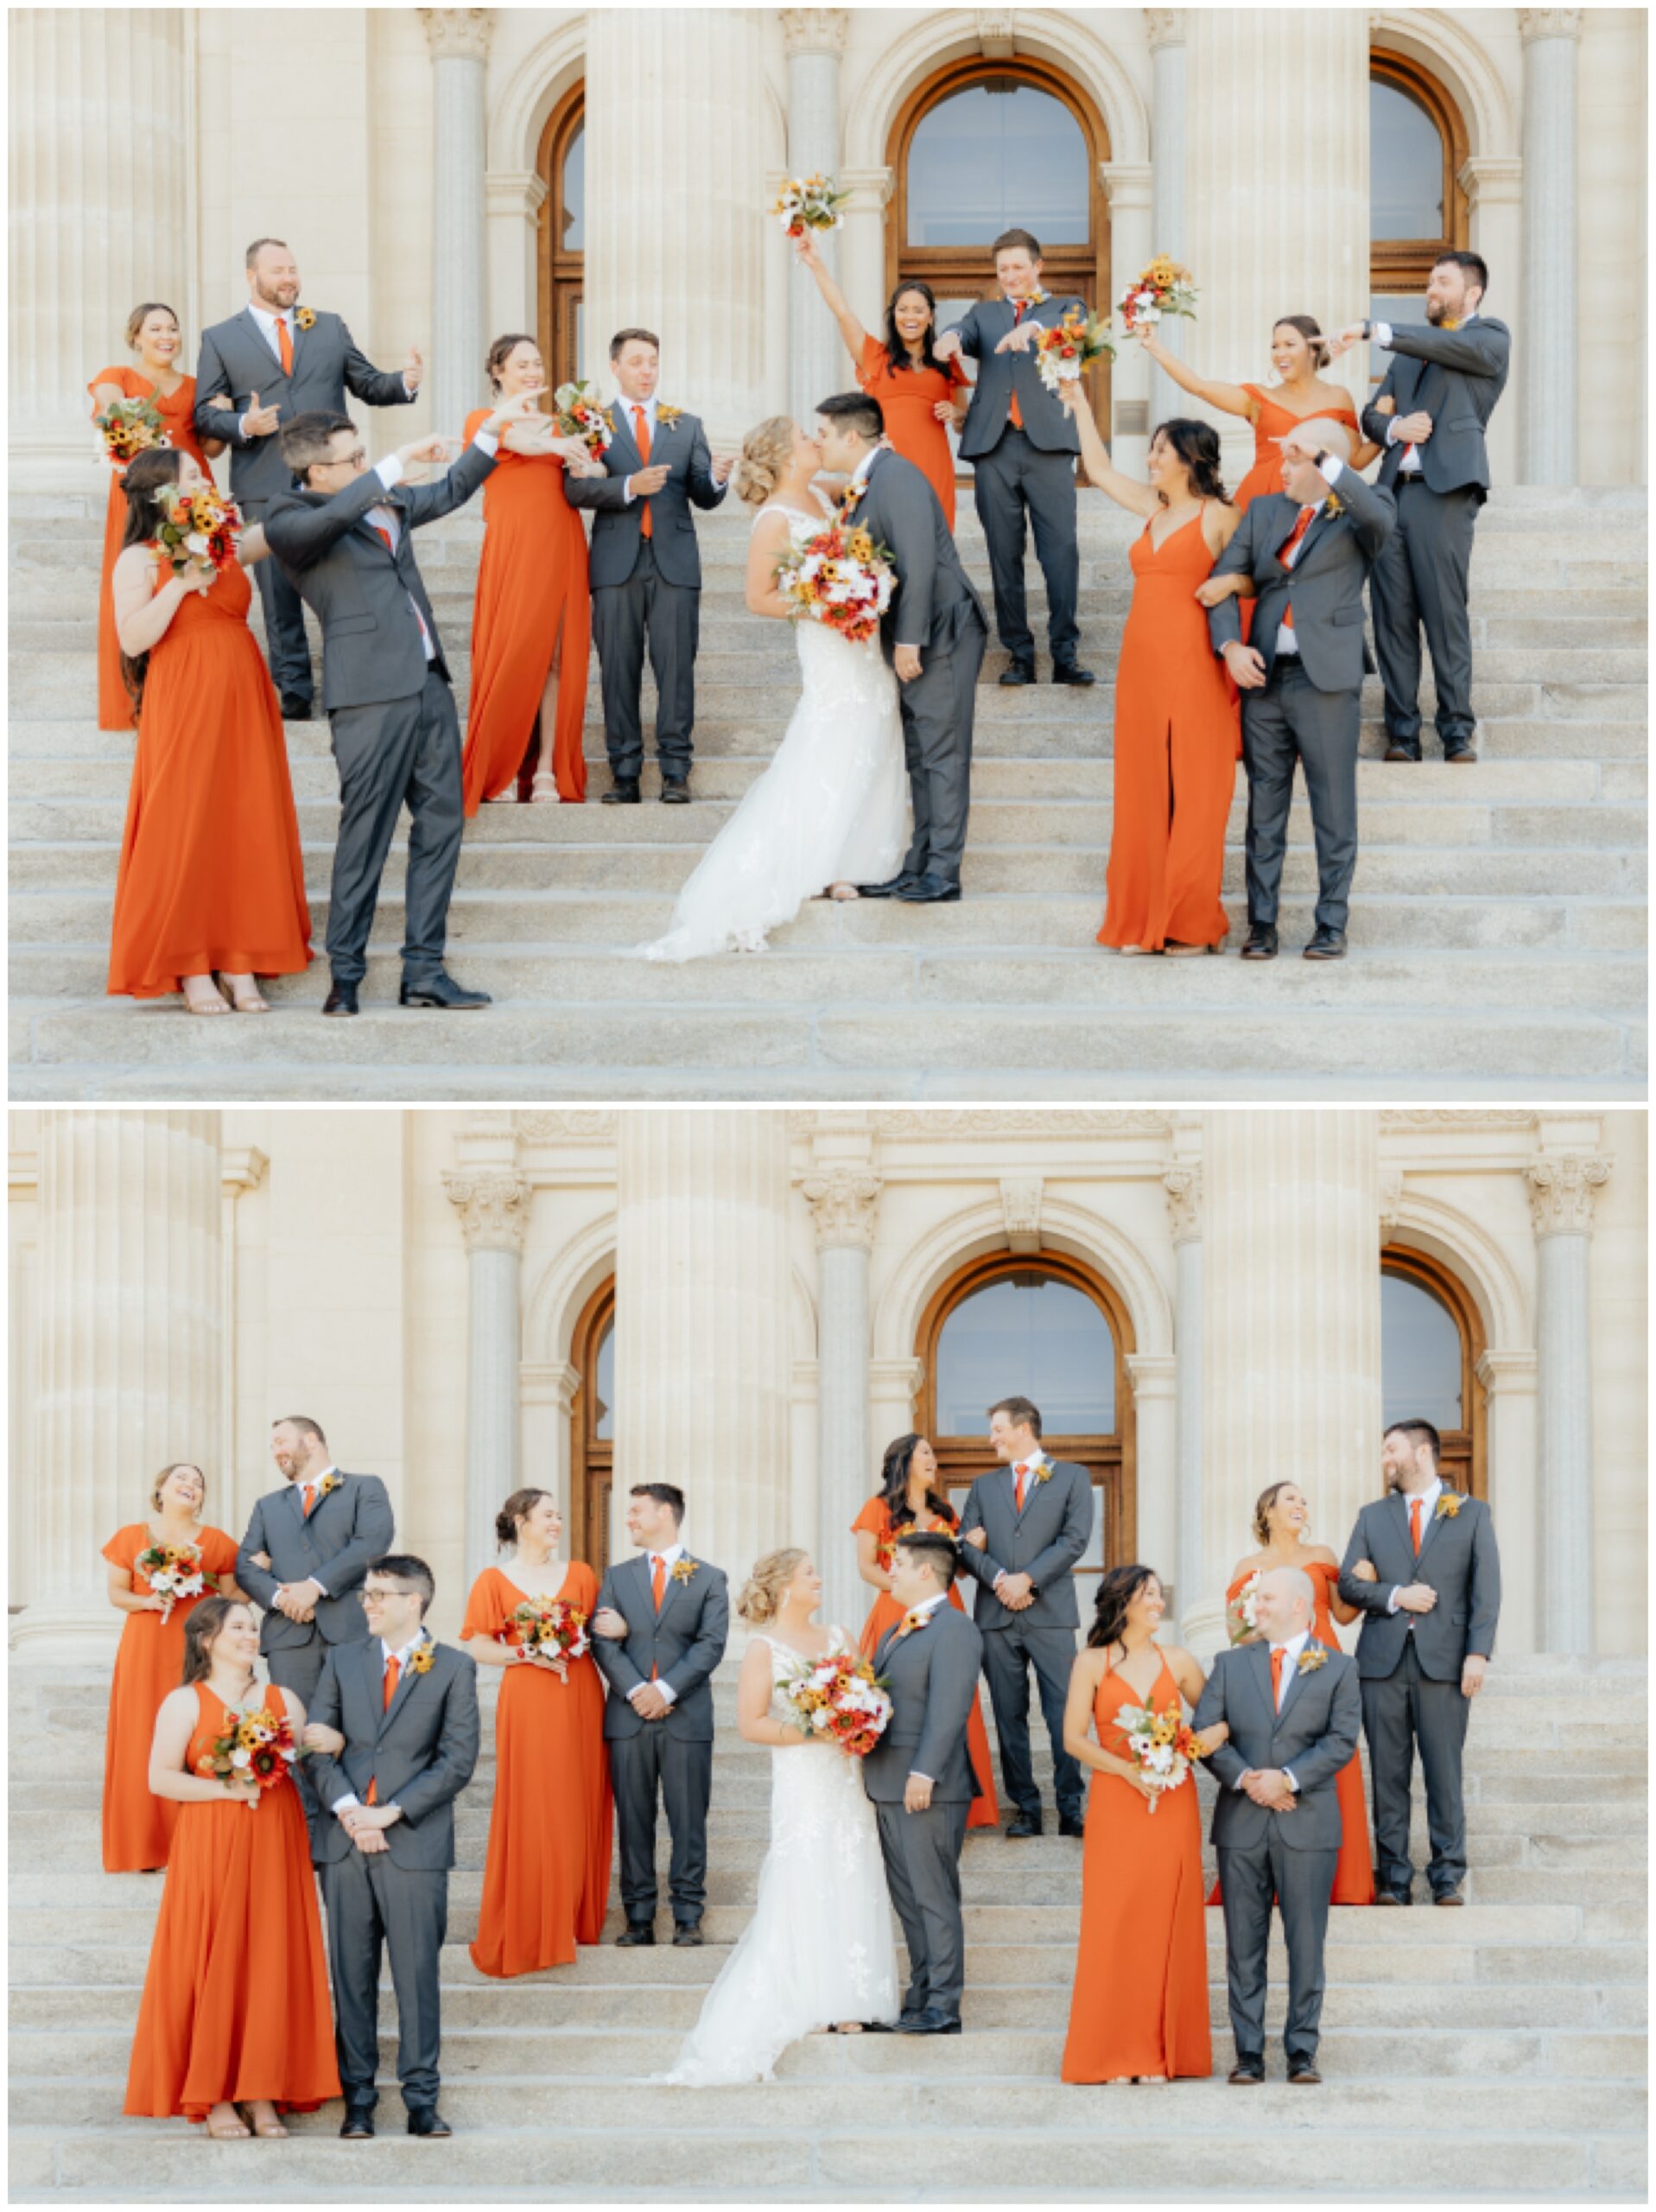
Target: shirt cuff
x,y
1330,465
389,471
349,1798
486,442
241,426
1380,333
1288,1777
915,1774
668,1692
626,490
411,389
1391,1603
320,1588
1391,438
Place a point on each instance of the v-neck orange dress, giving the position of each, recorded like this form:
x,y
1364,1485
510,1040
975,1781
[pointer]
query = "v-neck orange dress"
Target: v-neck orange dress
x,y
177,412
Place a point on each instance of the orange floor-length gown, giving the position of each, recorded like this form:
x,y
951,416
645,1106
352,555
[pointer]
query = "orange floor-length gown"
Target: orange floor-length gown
x,y
178,413
211,871
884,1613
532,577
1177,738
236,2000
149,1666
906,397
1140,2000
546,1879
1354,1876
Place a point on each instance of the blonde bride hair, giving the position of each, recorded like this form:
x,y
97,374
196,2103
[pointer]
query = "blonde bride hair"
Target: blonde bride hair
x,y
762,1592
766,451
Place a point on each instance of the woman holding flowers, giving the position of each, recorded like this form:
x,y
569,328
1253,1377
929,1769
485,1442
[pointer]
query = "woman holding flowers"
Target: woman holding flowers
x,y
531,625
163,389
1140,2010
160,1569
909,1497
546,1879
235,2008
210,877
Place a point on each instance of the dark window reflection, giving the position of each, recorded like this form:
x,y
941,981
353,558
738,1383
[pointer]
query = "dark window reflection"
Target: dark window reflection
x,y
1029,1335
604,1393
1420,1355
574,194
1405,166
997,156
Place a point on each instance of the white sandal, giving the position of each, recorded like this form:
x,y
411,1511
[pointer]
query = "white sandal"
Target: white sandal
x,y
550,796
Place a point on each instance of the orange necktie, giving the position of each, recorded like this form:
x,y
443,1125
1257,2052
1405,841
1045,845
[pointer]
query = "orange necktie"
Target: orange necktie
x,y
641,439
284,339
380,531
1414,1525
1018,1490
310,1500
1278,1653
1015,415
658,1578
393,1669
1307,515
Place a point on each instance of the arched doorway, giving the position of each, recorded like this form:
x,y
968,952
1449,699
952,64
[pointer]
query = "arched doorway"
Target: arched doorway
x,y
562,255
1052,1330
1417,204
983,147
1431,1338
592,1425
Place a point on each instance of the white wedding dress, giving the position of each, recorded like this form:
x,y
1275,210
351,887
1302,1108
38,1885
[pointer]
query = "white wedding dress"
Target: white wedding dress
x,y
819,1949
832,807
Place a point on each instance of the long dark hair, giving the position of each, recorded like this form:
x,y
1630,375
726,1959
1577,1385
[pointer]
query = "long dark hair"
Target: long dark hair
x,y
896,346
1196,444
146,472
1116,1592
894,1486
202,1627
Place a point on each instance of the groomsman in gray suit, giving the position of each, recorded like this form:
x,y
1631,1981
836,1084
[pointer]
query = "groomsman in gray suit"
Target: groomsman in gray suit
x,y
919,1777
1293,1712
299,359
394,1729
647,570
1022,1530
1022,446
1430,414
1423,1566
660,1628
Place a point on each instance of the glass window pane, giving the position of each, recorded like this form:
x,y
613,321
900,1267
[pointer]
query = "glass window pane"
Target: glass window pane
x,y
1392,307
604,1393
1092,1560
1405,166
1033,1335
998,154
1420,1355
574,194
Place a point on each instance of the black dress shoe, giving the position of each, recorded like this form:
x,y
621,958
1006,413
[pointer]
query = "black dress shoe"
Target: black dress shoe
x,y
929,891
1069,671
1326,945
341,999
294,708
426,2119
358,2121
1261,941
1464,753
927,2023
1402,751
1247,2071
635,1932
1019,672
1069,1825
624,791
686,1935
1303,2073
1447,1897
676,791
889,888
1391,1896
1025,1824
441,990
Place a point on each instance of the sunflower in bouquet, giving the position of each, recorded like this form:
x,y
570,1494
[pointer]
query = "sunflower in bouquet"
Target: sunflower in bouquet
x,y
197,526
258,1747
810,203
128,426
1166,287
1072,344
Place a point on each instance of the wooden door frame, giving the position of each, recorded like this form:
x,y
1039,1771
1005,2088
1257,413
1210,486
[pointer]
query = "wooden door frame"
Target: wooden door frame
x,y
1465,1455
560,273
592,1459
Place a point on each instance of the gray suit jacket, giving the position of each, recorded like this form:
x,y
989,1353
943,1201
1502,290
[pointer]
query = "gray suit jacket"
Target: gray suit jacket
x,y
236,358
1325,583
347,1530
1456,377
1045,423
1044,1542
357,588
616,534
932,1677
1458,1560
683,1644
934,599
1315,1733
419,1753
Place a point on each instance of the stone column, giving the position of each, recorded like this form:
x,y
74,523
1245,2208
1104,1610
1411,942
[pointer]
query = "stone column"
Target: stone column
x,y
129,1348
704,1285
861,239
1127,186
1508,1379
1154,1380
814,39
459,38
1562,1185
1165,27
1494,185
101,162
844,1199
1548,335
1183,1183
241,1168
512,202
676,201
493,1203
546,1395
1290,1320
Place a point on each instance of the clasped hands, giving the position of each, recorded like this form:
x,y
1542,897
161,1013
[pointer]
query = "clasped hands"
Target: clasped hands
x,y
1268,1786
365,1825
1016,1591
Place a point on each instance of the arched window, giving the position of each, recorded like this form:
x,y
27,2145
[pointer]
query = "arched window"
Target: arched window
x,y
563,236
1431,1337
591,1453
1417,205
1048,1329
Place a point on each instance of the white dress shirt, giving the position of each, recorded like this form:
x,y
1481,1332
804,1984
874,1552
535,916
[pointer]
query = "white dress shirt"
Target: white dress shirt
x,y
1293,1646
1429,1498
299,1485
1409,464
1330,465
267,323
386,518
386,1655
927,1607
1037,1458
670,1556
629,408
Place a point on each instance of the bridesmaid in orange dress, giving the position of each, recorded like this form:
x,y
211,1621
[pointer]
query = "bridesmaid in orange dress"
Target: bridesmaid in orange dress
x,y
211,876
235,2007
152,333
531,625
547,1877
1178,726
909,1497
921,397
137,1825
1280,1519
1139,2009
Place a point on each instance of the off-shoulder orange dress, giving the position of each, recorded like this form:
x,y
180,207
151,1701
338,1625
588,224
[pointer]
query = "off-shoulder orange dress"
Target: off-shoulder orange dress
x,y
907,397
546,1879
177,411
1275,421
211,872
149,1666
884,1613
531,581
1140,2000
236,2001
1177,738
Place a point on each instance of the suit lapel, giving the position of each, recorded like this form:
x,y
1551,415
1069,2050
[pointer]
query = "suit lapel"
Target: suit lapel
x,y
1290,1689
1399,1505
672,1587
1261,1653
622,421
1429,1531
389,1712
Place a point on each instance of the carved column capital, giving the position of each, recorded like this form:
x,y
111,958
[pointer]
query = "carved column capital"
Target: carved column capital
x,y
815,30
844,1203
1164,27
1562,1185
1391,1201
462,32
1549,22
493,1204
241,1168
1021,1208
1182,1184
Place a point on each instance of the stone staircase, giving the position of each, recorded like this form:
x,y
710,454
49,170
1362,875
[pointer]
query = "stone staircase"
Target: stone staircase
x,y
1498,928
1496,2052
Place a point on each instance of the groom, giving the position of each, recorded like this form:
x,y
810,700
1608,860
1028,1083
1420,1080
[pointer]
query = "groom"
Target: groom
x,y
933,635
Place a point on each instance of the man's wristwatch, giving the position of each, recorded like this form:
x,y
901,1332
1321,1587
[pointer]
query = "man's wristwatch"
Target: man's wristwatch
x,y
1368,328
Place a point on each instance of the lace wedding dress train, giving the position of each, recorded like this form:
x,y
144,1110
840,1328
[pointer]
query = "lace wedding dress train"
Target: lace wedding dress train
x,y
819,1949
832,807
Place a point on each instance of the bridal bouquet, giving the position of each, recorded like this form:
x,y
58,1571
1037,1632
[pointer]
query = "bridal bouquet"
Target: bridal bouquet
x,y
1072,344
1240,1617
546,1625
260,1748
199,525
126,427
809,203
839,577
842,1697
173,1570
1162,1745
577,413
1164,287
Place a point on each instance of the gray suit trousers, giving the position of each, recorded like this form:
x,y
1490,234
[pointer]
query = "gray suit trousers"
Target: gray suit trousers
x,y
1017,476
400,750
1008,1653
286,646
1421,577
923,1872
643,1768
372,1903
1399,1710
937,711
646,611
1301,1882
1290,720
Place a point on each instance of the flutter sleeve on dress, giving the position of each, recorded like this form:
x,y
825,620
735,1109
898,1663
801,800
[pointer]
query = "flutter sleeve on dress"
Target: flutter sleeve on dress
x,y
483,1609
473,422
122,1548
874,1518
875,364
218,1552
125,378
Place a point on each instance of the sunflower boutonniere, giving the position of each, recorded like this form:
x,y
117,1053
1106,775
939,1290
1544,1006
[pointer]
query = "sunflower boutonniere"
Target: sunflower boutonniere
x,y
1332,506
1449,1506
852,498
422,1660
683,1569
1044,1470
1312,1658
911,1622
329,1482
305,318
666,417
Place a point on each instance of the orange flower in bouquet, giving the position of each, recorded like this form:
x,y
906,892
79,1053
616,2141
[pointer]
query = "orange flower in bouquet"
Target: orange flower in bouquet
x,y
841,577
173,1570
842,1698
546,1627
260,1747
1070,345
198,525
577,412
1164,287
126,427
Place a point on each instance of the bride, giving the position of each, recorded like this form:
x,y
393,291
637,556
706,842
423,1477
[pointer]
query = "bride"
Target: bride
x,y
818,1952
830,810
